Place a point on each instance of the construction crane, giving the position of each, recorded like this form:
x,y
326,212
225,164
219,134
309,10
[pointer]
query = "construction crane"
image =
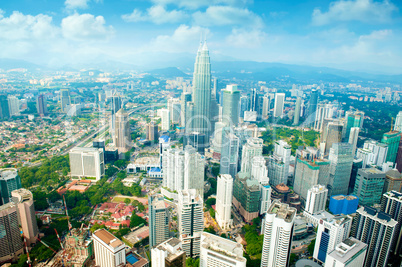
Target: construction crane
x,y
58,237
68,217
46,245
26,248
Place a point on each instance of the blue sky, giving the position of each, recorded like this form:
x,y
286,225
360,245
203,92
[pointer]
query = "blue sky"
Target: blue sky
x,y
361,35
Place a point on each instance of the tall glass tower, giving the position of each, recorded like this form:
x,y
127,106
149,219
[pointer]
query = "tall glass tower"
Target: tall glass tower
x,y
201,121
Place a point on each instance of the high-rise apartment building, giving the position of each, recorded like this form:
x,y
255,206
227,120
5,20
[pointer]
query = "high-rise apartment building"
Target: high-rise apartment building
x,y
174,107
64,99
391,139
368,186
23,199
224,197
341,161
159,228
246,196
278,233
316,199
278,163
296,117
41,105
9,181
191,221
122,137
252,148
164,114
229,152
330,232
309,173
324,114
202,92
152,132
11,245
377,230
13,105
373,153
87,162
279,104
169,254
353,138
217,251
109,250
398,122
231,105
4,110
350,252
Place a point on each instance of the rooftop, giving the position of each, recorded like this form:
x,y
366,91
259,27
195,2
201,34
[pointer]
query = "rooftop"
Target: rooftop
x,y
108,238
344,251
282,211
8,173
223,246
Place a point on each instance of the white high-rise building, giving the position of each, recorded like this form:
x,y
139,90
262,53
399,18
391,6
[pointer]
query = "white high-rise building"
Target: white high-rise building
x,y
278,232
251,149
109,250
159,222
164,114
87,162
174,107
373,153
13,105
278,163
330,232
229,153
397,125
265,106
168,253
350,252
122,137
224,197
316,199
259,172
217,251
353,138
191,221
279,104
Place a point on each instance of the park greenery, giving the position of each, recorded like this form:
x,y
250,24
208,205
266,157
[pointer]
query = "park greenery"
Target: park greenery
x,y
254,242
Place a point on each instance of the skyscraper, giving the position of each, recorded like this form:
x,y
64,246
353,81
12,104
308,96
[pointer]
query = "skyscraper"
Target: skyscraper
x,y
41,105
279,104
64,99
333,134
368,186
9,181
398,122
297,111
353,119
219,251
87,162
278,233
152,132
23,199
350,252
174,107
191,221
11,245
122,138
377,230
109,250
13,105
164,113
246,196
231,105
185,98
392,139
393,181
202,92
312,105
341,161
159,229
224,197
244,105
353,138
4,110
252,148
278,163
229,153
316,199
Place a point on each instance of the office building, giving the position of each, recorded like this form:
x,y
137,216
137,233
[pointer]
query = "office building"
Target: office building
x,y
399,157
278,163
109,250
217,251
266,103
309,173
174,107
152,132
185,98
122,137
353,119
159,228
324,114
4,109
231,105
368,186
353,138
393,181
41,105
372,153
312,105
296,117
11,245
196,140
191,221
279,104
9,181
218,135
391,204
259,170
224,197
350,252
316,199
278,227
229,153
398,122
202,92
64,99
391,139
169,254
246,196
341,204
164,114
23,199
341,161
87,162
377,230
330,232
357,164
333,134
244,105
13,105
252,148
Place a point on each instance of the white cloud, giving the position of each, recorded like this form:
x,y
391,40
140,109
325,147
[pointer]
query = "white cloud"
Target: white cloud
x,y
358,10
75,4
246,39
26,27
226,15
86,27
156,14
179,40
194,4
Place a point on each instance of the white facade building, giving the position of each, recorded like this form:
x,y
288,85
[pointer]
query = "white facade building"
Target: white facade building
x,y
164,114
170,251
224,197
251,149
316,199
109,251
278,163
13,105
217,251
174,107
373,153
398,122
278,232
279,104
350,252
353,138
87,162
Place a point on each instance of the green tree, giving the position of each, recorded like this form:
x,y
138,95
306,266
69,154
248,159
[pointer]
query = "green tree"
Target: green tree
x,y
136,221
127,201
310,247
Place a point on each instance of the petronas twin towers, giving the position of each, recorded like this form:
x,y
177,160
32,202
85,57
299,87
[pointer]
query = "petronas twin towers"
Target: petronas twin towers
x,y
201,119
